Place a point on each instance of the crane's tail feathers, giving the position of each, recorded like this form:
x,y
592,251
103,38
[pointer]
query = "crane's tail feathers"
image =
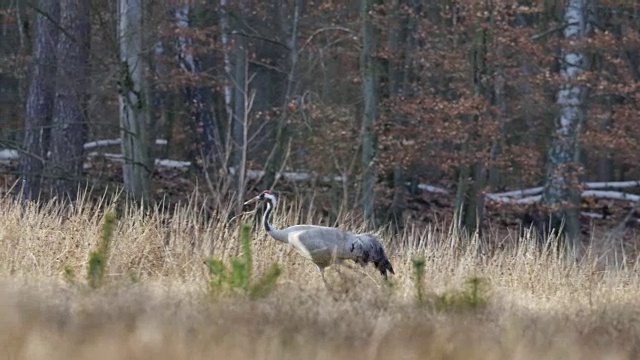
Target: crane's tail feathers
x,y
384,266
370,250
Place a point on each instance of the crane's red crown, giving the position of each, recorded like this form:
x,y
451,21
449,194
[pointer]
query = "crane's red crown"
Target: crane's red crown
x,y
267,193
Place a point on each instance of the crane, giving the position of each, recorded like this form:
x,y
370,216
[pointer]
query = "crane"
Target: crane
x,y
326,245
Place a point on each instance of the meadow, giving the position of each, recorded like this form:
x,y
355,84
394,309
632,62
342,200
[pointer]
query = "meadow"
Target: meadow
x,y
450,298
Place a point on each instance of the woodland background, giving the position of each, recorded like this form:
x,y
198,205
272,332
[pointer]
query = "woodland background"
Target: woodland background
x,y
503,112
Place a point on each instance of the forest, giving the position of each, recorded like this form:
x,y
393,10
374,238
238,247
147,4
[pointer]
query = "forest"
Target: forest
x,y
513,112
489,145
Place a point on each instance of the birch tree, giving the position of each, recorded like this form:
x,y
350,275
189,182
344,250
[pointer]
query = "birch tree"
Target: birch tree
x,y
199,97
136,169
69,111
224,36
240,103
39,109
560,192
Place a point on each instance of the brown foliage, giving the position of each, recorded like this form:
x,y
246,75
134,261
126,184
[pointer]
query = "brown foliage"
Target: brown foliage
x,y
485,75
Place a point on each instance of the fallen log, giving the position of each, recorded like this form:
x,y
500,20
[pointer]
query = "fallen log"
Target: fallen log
x,y
587,185
177,164
112,142
599,194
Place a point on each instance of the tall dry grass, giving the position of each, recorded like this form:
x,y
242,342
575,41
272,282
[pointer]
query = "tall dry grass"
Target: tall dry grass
x,y
155,303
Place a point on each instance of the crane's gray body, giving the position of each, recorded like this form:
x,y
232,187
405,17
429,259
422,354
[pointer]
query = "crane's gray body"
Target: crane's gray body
x,y
326,245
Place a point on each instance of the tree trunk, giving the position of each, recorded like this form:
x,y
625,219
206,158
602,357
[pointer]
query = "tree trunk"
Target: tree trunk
x,y
282,135
465,176
69,110
469,207
39,109
158,108
369,70
500,102
240,101
199,98
398,47
560,191
604,170
136,169
224,35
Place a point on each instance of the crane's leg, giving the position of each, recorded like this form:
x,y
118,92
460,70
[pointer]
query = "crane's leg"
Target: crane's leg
x,y
321,269
324,280
338,266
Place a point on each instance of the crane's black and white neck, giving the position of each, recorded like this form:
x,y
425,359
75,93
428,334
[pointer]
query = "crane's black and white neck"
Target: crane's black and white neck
x,y
271,199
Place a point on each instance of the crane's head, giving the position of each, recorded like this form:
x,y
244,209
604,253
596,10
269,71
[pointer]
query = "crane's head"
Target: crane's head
x,y
266,195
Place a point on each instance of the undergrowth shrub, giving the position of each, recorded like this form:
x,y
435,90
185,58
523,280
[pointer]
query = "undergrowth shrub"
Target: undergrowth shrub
x,y
418,278
238,277
69,274
473,296
98,258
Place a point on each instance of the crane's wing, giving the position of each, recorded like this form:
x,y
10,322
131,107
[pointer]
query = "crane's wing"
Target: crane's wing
x,y
320,244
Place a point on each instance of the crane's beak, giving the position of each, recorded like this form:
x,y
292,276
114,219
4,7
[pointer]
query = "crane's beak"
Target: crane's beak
x,y
252,200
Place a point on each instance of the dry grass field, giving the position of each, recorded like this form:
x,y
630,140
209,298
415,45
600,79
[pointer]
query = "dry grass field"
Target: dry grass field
x,y
155,301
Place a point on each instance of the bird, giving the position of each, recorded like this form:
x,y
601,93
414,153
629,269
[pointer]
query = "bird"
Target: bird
x,y
326,245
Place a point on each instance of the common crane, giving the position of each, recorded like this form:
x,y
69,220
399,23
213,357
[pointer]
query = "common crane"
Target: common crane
x,y
326,245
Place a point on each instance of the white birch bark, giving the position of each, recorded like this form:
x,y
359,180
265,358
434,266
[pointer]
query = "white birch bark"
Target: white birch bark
x,y
224,35
133,116
186,59
240,113
560,189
